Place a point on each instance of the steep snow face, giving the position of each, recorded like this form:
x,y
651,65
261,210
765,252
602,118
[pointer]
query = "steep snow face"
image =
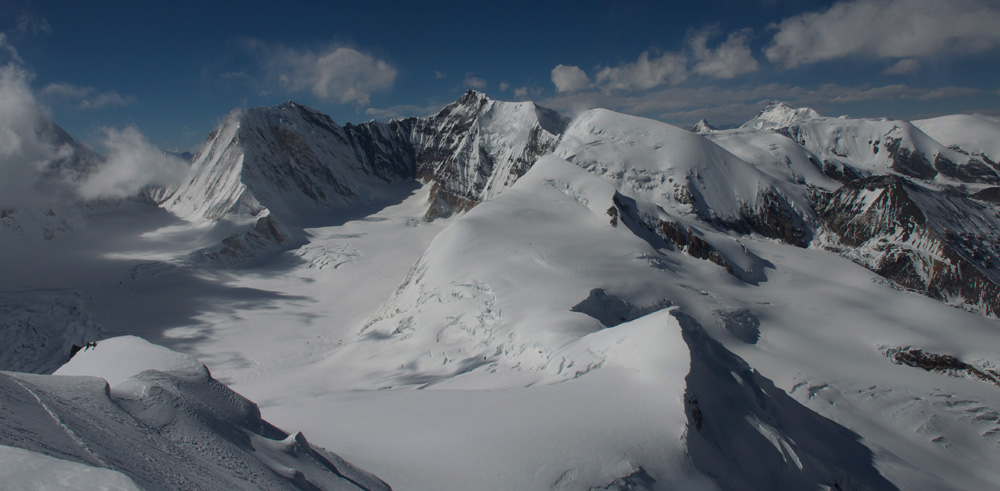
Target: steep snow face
x,y
675,174
780,115
973,134
477,147
214,186
291,160
164,422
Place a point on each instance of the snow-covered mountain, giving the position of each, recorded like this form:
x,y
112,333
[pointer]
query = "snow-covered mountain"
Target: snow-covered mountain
x,y
499,297
477,147
702,126
284,167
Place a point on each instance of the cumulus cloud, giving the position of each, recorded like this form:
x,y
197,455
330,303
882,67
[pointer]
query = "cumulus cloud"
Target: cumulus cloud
x,y
569,78
86,97
439,75
886,29
727,60
521,92
905,66
504,86
645,73
342,74
132,164
474,82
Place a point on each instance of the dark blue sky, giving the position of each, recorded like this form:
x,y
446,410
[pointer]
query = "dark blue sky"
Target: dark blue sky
x,y
174,69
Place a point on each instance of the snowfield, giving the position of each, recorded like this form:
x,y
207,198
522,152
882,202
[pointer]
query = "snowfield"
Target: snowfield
x,y
776,306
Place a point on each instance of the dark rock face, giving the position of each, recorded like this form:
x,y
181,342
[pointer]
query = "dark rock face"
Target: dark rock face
x,y
847,213
912,236
974,170
934,362
991,195
908,163
671,235
775,218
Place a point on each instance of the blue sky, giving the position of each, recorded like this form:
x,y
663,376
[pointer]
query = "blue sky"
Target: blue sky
x,y
174,69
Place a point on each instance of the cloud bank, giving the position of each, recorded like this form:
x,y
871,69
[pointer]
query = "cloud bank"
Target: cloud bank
x,y
886,29
132,164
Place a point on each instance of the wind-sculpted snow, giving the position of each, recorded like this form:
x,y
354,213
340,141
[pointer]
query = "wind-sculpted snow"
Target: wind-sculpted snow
x,y
159,418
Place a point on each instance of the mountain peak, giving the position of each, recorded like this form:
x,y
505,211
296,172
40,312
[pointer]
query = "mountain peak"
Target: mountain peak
x,y
473,97
778,114
702,126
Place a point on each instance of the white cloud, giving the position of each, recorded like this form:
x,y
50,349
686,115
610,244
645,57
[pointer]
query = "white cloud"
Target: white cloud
x,y
504,86
886,29
343,75
569,78
5,46
727,60
24,154
474,82
439,75
88,97
645,73
132,164
905,66
521,92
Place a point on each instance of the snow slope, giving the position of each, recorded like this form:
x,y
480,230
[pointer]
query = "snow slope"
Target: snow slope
x,y
161,419
972,134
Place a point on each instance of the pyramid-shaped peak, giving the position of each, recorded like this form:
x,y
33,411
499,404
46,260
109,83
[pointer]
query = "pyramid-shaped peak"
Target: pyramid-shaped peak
x,y
703,126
